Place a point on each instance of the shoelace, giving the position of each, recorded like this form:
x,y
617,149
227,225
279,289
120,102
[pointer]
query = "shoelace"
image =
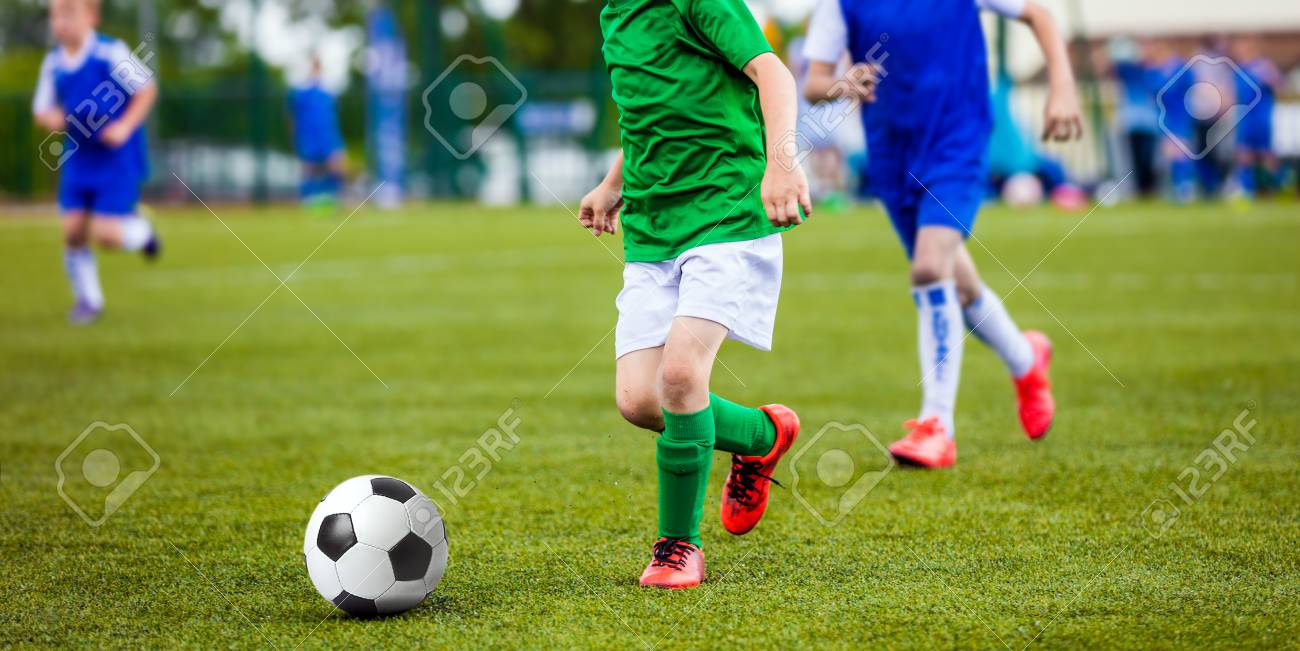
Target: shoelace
x,y
745,476
671,553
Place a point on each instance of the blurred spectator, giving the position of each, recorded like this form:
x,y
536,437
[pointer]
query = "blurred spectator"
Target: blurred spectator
x,y
1174,88
1213,97
1259,79
1136,112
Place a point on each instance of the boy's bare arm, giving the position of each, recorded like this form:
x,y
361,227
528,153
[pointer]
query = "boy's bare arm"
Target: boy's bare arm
x,y
784,187
137,110
599,210
859,83
1062,119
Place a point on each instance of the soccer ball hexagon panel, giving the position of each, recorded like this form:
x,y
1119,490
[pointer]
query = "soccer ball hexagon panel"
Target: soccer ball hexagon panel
x,y
375,545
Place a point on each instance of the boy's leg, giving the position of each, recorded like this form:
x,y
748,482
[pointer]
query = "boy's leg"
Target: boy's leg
x,y
738,429
1027,354
133,233
987,318
934,291
636,386
83,273
117,223
685,451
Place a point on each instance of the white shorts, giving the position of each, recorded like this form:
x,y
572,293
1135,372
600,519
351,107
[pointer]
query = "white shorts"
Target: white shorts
x,y
736,284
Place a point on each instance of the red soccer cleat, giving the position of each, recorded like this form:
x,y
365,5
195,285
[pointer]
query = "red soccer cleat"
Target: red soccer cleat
x,y
1034,391
744,497
674,564
927,445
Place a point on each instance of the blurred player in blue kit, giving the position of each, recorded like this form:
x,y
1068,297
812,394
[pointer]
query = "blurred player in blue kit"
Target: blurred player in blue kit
x,y
920,67
93,94
1258,79
313,113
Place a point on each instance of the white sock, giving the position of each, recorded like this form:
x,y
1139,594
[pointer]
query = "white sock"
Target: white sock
x,y
136,232
987,317
940,337
83,275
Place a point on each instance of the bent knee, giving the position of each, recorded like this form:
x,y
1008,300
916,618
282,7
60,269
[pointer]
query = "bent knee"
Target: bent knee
x,y
925,272
678,379
642,410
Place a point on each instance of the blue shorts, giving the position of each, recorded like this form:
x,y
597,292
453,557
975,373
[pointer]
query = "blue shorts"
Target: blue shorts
x,y
916,199
101,197
931,178
319,150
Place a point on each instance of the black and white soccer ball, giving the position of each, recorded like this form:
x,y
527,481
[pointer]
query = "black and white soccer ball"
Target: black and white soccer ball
x,y
375,546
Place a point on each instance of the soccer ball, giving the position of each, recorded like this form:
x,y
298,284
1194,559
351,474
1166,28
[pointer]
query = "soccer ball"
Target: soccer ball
x,y
375,546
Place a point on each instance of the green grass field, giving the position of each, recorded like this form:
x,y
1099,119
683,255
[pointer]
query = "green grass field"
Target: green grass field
x,y
407,335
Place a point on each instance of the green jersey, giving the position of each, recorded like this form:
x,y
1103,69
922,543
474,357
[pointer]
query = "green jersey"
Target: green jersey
x,y
692,128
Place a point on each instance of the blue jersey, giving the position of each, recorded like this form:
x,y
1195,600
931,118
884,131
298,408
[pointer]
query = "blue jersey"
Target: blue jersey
x,y
928,130
93,88
1137,100
1173,82
316,134
1256,98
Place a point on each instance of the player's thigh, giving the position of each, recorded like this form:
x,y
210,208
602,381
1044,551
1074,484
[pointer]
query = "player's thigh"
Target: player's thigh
x,y
936,252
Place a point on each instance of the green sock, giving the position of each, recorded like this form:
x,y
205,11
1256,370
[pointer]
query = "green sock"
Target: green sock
x,y
741,430
684,454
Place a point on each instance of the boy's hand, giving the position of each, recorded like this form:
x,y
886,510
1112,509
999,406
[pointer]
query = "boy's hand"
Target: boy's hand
x,y
116,134
862,80
52,120
1061,119
600,208
785,190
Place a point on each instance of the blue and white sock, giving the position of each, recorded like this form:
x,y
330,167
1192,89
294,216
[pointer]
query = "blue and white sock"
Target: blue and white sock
x,y
939,334
987,318
136,233
83,275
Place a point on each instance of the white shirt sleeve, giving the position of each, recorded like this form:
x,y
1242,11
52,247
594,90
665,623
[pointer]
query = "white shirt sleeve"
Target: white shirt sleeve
x,y
127,69
828,36
1004,8
45,98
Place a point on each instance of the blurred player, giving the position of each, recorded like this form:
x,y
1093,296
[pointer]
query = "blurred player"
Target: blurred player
x,y
1136,111
313,113
1255,155
921,64
1176,89
704,199
96,93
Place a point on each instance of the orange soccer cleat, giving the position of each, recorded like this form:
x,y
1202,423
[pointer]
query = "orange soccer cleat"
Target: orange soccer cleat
x,y
674,564
927,445
1034,391
744,497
